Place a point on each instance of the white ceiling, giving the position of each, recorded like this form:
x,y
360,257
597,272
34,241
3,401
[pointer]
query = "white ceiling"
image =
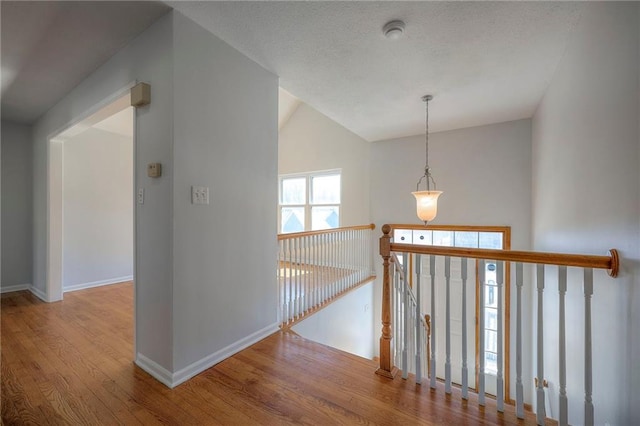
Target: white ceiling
x,y
485,62
50,47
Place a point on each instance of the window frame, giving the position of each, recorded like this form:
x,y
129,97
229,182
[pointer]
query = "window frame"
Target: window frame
x,y
308,205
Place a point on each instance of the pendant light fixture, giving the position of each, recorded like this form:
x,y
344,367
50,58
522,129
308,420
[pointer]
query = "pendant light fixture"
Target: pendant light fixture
x,y
427,201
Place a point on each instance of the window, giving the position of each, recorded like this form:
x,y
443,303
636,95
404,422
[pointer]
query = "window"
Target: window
x,y
309,201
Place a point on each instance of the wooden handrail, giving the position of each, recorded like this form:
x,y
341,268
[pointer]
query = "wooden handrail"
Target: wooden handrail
x,y
324,231
610,263
581,260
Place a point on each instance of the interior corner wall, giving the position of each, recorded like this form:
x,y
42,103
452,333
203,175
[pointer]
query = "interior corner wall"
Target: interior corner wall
x,y
16,206
226,135
346,324
586,172
485,173
310,141
147,58
98,209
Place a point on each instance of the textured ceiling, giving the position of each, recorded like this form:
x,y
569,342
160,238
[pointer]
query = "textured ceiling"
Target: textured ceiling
x,y
50,47
485,62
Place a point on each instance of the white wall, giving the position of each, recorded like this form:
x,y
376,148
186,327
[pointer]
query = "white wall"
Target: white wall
x,y
225,123
98,208
347,323
147,58
16,206
212,121
310,141
585,200
485,173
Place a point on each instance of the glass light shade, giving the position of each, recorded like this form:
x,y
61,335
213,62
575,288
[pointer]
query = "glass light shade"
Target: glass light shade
x,y
427,204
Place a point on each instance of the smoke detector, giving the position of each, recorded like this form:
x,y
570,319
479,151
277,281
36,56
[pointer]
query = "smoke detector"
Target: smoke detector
x,y
393,30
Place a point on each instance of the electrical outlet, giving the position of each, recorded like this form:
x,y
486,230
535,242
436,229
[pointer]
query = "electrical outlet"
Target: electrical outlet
x,y
199,195
140,195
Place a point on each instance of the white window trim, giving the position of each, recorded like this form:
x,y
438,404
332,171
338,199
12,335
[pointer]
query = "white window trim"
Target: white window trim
x,y
307,206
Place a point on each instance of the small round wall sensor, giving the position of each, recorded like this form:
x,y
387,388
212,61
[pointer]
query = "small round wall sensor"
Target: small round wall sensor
x,y
393,30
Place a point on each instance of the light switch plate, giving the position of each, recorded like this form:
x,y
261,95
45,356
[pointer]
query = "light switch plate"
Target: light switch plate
x,y
199,195
140,195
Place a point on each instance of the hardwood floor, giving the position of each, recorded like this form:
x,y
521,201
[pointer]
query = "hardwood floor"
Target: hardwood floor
x,y
71,363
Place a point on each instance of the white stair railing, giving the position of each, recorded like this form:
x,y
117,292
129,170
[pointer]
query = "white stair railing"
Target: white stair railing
x,y
402,318
316,267
410,323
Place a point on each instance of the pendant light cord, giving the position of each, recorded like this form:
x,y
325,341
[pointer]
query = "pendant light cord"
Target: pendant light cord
x,y
427,172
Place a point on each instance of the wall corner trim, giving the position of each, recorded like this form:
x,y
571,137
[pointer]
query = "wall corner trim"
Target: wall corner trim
x,y
12,288
40,294
100,283
157,371
199,366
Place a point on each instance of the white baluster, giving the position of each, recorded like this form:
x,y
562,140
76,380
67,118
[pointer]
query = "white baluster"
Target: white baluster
x,y
447,362
304,264
280,282
362,253
341,261
395,303
308,271
332,265
540,409
418,323
465,369
562,399
499,378
354,257
288,266
298,279
308,274
315,272
588,383
412,337
432,272
327,268
519,389
481,337
407,313
400,315
349,262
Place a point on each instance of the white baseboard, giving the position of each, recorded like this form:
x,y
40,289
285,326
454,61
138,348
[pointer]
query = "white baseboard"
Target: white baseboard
x,y
172,380
209,361
156,370
77,287
12,288
39,294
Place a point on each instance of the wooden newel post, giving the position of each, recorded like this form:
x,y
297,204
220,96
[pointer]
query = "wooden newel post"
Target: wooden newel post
x,y
386,368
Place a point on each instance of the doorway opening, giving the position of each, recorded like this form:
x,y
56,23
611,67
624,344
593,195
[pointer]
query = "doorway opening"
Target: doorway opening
x,y
91,208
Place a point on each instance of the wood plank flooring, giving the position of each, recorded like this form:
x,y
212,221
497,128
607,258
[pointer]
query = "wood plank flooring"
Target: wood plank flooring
x,y
71,363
